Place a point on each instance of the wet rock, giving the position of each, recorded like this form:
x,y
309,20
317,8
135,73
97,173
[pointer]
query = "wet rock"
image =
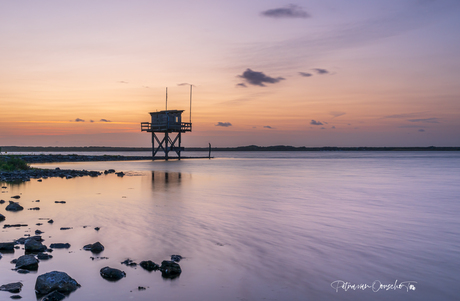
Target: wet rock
x,y
112,274
55,281
27,262
170,269
44,256
39,224
38,232
149,265
95,248
141,288
2,217
32,245
60,246
50,221
97,228
23,271
14,287
13,206
15,297
2,201
129,262
176,258
54,296
34,208
14,225
6,246
120,174
60,202
65,228
16,197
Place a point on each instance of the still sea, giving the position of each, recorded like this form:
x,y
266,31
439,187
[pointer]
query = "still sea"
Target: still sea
x,y
251,226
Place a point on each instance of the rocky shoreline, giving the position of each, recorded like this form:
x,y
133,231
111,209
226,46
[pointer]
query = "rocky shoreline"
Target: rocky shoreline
x,y
78,158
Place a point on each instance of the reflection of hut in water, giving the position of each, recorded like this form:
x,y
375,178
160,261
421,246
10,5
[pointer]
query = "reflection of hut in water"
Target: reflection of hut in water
x,y
167,122
162,179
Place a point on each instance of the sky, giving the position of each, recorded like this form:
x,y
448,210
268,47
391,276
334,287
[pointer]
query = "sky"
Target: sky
x,y
301,73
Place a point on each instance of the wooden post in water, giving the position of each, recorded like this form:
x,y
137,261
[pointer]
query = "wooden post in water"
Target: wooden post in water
x,y
209,150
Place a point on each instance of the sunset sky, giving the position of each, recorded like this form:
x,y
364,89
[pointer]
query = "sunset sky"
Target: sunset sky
x,y
302,73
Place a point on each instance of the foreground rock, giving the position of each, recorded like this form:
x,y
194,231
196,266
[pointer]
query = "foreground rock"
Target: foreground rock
x,y
34,246
2,217
12,287
60,246
95,248
13,206
27,262
6,246
170,269
149,265
112,274
55,281
26,175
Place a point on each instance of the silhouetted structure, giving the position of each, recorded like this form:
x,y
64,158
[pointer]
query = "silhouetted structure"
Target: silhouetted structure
x,y
166,122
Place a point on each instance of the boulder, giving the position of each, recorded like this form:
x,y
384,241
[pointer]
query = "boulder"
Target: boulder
x,y
149,265
32,245
44,256
95,248
16,297
170,269
176,258
2,217
27,262
112,274
13,206
129,262
6,246
60,246
55,281
14,287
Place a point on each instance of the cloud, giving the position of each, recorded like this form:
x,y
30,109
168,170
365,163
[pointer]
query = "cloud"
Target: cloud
x,y
91,120
267,127
425,120
290,11
333,127
122,82
186,84
320,71
421,130
314,122
258,78
224,124
323,128
79,120
406,115
104,120
305,74
241,85
337,113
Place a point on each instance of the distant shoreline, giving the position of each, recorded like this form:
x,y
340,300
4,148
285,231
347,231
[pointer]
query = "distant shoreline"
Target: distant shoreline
x,y
239,148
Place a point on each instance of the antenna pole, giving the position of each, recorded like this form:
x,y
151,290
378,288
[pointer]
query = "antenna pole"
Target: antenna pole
x,y
166,98
190,104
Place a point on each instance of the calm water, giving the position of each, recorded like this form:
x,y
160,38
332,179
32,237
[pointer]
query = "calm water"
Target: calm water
x,y
253,226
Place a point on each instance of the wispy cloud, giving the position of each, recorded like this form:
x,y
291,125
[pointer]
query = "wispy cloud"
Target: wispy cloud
x,y
186,84
224,124
425,120
267,127
79,120
305,74
122,82
258,78
290,11
104,120
241,85
320,71
314,122
337,113
421,130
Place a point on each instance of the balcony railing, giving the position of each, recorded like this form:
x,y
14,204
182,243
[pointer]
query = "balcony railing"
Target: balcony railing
x,y
165,127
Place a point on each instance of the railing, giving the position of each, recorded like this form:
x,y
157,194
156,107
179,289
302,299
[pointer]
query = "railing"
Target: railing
x,y
164,127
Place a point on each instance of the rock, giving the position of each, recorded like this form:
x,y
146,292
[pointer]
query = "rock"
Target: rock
x,y
120,174
34,208
44,256
6,246
176,258
14,287
13,206
2,201
32,245
60,246
27,262
23,271
66,228
95,248
2,217
38,232
170,269
55,281
59,202
50,221
97,228
14,225
129,262
149,265
16,197
112,274
141,288
15,297
54,296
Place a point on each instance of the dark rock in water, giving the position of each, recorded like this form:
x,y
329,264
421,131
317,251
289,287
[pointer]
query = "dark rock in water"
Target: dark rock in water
x,y
176,258
34,208
16,197
39,224
44,256
15,297
60,246
54,296
129,262
6,246
14,287
22,271
2,201
95,248
14,225
2,217
13,206
27,262
55,281
149,265
141,288
170,269
50,221
38,232
112,274
66,228
32,245
38,201
60,202
120,174
97,228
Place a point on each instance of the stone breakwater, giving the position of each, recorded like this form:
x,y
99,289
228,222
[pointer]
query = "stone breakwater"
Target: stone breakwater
x,y
26,175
